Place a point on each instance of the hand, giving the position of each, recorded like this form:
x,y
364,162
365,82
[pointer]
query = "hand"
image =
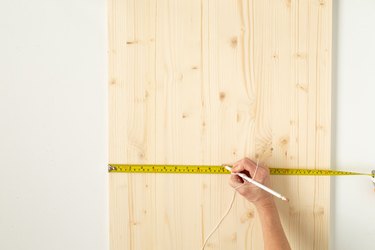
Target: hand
x,y
251,192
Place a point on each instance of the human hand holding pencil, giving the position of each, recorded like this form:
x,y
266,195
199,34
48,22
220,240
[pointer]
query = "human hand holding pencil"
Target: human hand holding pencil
x,y
256,190
254,181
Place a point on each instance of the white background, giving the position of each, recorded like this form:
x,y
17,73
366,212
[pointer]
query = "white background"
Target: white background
x,y
53,124
353,198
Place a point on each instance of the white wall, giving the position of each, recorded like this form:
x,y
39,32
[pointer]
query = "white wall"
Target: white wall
x,y
53,128
353,211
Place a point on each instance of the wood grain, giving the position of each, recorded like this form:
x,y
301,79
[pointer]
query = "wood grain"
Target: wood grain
x,y
210,82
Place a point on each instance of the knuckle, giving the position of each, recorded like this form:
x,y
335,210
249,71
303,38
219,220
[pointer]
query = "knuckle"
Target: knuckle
x,y
231,181
241,191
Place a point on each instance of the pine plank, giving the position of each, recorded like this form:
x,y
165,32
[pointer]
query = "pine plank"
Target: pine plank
x,y
210,82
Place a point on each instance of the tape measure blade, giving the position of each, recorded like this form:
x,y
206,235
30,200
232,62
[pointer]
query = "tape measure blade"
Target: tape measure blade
x,y
216,169
296,171
317,172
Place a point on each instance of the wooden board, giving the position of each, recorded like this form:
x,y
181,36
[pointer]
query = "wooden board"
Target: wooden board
x,y
210,82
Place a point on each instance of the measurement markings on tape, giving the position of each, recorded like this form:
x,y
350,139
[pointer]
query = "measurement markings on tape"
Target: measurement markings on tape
x,y
219,169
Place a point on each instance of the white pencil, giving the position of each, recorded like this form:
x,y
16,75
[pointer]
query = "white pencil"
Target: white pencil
x,y
267,189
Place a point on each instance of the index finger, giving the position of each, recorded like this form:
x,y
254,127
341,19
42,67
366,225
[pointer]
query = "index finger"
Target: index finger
x,y
244,164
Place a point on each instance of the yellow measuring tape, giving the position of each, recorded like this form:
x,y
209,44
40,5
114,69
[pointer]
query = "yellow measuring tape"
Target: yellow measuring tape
x,y
202,169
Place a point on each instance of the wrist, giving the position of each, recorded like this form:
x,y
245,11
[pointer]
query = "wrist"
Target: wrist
x,y
265,203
